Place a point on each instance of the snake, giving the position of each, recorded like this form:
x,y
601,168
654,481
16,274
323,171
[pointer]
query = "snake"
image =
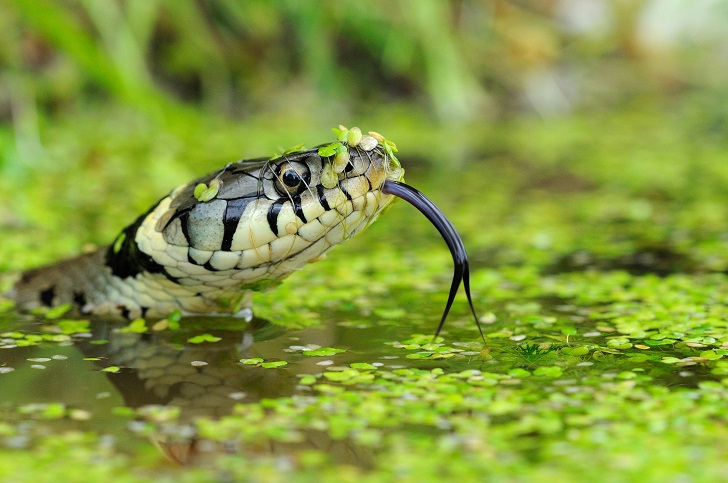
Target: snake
x,y
207,246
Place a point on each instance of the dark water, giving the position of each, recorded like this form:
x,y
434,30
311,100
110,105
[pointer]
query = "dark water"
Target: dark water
x,y
93,374
160,372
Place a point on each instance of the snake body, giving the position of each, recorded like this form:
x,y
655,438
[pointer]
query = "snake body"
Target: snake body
x,y
208,244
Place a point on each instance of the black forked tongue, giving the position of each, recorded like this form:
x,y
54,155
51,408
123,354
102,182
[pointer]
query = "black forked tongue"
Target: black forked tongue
x,y
454,243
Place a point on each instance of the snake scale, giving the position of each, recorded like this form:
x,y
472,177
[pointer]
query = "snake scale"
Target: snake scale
x,y
206,246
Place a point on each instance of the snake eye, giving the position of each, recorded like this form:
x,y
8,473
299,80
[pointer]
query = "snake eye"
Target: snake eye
x,y
292,178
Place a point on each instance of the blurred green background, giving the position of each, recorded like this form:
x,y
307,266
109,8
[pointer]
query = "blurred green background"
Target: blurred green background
x,y
453,61
106,105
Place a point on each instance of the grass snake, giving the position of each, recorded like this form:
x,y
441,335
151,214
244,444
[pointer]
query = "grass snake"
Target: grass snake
x,y
206,246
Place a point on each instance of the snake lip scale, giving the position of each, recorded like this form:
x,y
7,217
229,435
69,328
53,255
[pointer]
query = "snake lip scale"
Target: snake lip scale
x,y
209,244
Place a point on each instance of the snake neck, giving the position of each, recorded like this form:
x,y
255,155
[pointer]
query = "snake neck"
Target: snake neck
x,y
122,281
93,287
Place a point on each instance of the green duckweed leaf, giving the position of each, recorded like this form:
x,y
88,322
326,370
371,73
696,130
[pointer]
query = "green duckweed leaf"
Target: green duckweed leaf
x,y
273,364
57,312
341,133
307,380
292,150
173,320
137,326
199,339
199,189
204,193
353,136
323,352
519,373
341,376
119,242
329,149
69,326
551,371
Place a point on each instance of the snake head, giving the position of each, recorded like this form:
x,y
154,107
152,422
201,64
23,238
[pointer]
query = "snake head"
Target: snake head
x,y
259,220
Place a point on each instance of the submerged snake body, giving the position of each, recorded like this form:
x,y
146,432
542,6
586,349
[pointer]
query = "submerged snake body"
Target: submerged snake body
x,y
204,254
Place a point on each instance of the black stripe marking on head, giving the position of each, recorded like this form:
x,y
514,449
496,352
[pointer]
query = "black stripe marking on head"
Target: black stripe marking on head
x,y
208,266
233,211
322,197
129,260
184,219
299,209
273,212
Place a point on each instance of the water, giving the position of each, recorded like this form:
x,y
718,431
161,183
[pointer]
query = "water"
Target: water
x,y
82,380
93,374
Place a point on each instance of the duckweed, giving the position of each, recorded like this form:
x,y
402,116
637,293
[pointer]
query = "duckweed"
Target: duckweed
x,y
199,339
322,351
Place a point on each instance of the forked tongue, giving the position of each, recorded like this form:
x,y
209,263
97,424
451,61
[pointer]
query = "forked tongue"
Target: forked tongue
x,y
461,272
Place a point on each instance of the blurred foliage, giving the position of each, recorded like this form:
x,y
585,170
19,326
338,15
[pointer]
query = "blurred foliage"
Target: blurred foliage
x,y
105,106
457,60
